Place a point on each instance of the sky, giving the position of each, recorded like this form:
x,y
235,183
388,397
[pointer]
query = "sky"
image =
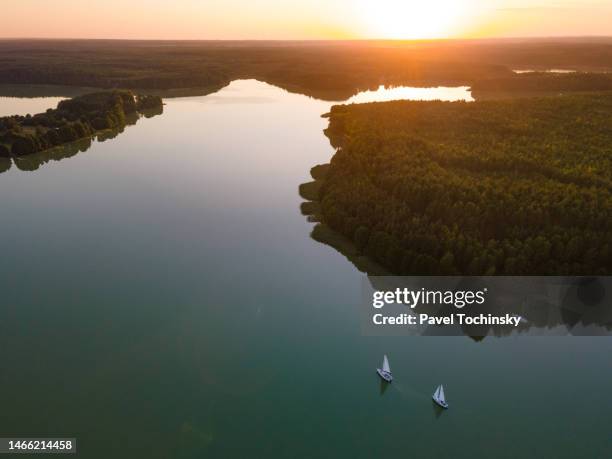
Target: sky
x,y
305,19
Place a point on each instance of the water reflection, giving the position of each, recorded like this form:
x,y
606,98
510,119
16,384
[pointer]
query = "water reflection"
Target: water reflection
x,y
384,385
29,163
33,162
5,164
544,71
437,410
551,305
542,305
27,105
383,94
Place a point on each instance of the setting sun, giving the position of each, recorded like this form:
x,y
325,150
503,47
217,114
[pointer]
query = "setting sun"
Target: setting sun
x,y
411,19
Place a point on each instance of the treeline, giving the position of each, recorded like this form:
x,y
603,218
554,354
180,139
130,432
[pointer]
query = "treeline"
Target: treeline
x,y
326,70
545,82
73,119
330,71
520,187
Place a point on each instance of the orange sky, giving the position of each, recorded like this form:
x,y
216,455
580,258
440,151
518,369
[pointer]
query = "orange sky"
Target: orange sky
x,y
313,19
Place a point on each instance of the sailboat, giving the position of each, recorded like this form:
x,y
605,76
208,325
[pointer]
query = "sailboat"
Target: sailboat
x,y
385,372
439,398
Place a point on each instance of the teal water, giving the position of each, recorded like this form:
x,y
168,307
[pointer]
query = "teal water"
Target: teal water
x,y
162,298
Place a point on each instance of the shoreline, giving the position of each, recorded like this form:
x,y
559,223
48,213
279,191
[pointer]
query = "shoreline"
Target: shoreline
x,y
324,234
51,90
86,116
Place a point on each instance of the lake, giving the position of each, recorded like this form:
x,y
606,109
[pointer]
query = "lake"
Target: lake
x,y
383,94
545,71
24,105
163,298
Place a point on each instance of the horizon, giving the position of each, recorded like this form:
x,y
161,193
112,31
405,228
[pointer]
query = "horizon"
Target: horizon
x,y
321,40
238,20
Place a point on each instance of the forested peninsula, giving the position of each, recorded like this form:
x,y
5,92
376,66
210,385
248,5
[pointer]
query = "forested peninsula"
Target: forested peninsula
x,y
515,187
73,119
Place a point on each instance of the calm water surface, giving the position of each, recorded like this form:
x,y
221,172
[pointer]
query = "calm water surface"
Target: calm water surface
x,y
24,105
545,71
413,93
162,298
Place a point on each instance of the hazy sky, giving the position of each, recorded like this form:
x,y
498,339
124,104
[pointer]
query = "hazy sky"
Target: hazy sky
x,y
306,19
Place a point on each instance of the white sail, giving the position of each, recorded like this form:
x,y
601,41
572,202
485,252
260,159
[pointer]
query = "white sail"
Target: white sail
x,y
441,394
386,366
436,394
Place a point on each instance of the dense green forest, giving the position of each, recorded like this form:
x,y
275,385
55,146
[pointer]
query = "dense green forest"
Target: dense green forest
x,y
73,119
326,70
518,187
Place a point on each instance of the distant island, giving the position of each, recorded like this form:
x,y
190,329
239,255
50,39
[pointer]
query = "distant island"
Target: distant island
x,y
73,119
515,187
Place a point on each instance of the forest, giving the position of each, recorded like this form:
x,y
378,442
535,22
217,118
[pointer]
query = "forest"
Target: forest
x,y
513,187
73,119
326,70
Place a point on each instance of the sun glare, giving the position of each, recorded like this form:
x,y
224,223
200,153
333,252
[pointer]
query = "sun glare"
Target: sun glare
x,y
410,19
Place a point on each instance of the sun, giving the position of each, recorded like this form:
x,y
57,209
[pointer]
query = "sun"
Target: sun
x,y
414,19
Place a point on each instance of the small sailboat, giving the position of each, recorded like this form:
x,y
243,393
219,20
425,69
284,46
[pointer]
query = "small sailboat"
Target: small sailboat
x,y
385,371
439,398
